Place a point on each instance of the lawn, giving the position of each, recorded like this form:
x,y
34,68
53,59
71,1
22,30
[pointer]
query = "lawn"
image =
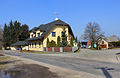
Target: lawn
x,y
39,52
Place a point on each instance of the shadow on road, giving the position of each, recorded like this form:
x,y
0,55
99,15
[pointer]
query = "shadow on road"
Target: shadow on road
x,y
6,62
105,71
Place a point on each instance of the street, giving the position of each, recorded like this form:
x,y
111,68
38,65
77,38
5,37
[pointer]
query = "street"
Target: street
x,y
105,69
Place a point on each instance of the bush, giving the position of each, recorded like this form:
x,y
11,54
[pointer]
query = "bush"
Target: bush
x,y
47,42
99,47
69,45
71,41
58,41
52,44
116,44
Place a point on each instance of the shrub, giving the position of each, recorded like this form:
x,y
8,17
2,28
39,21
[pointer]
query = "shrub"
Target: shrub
x,y
64,38
69,45
99,47
52,44
58,41
47,42
116,44
71,41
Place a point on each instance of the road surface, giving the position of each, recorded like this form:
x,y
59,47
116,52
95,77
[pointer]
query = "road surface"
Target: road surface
x,y
99,68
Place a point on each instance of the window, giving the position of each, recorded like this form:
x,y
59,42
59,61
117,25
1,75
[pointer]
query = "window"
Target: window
x,y
61,33
39,44
53,34
102,42
35,44
38,34
35,34
32,45
32,36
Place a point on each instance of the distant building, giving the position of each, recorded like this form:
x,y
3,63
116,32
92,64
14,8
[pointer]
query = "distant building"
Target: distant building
x,y
20,44
105,42
88,44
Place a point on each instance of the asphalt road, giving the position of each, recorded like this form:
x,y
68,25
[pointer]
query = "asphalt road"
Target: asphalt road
x,y
101,68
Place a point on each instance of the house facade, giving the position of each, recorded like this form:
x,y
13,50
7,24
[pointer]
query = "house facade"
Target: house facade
x,y
105,42
39,35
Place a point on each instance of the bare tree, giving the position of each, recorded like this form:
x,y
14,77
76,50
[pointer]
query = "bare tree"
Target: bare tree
x,y
1,35
92,32
115,36
81,38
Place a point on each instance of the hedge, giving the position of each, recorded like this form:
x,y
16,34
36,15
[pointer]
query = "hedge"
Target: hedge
x,y
116,44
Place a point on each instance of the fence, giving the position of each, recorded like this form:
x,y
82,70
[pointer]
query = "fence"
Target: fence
x,y
59,49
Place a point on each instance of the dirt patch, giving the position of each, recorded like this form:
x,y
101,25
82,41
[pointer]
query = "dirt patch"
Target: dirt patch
x,y
30,71
14,68
1,55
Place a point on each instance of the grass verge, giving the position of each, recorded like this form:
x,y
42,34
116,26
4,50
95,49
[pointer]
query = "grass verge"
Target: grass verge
x,y
38,52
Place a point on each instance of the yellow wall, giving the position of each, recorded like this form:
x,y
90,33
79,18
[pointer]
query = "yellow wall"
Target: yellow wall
x,y
57,29
16,47
37,48
24,47
12,48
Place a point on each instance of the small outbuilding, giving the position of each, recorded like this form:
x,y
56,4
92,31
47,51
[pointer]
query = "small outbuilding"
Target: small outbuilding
x,y
105,42
20,45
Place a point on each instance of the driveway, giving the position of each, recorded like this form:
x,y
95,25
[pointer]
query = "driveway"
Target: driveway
x,y
77,61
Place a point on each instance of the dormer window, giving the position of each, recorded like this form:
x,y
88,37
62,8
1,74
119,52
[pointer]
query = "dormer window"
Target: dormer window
x,y
61,34
32,36
38,34
35,34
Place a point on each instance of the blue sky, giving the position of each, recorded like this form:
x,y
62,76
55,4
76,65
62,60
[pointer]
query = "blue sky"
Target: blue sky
x,y
77,13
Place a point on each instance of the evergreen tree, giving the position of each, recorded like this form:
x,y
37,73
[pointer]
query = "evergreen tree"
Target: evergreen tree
x,y
24,32
76,39
14,32
17,30
64,38
71,41
47,42
6,36
52,43
58,41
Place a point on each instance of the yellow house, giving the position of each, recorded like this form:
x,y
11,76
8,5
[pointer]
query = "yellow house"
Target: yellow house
x,y
39,35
